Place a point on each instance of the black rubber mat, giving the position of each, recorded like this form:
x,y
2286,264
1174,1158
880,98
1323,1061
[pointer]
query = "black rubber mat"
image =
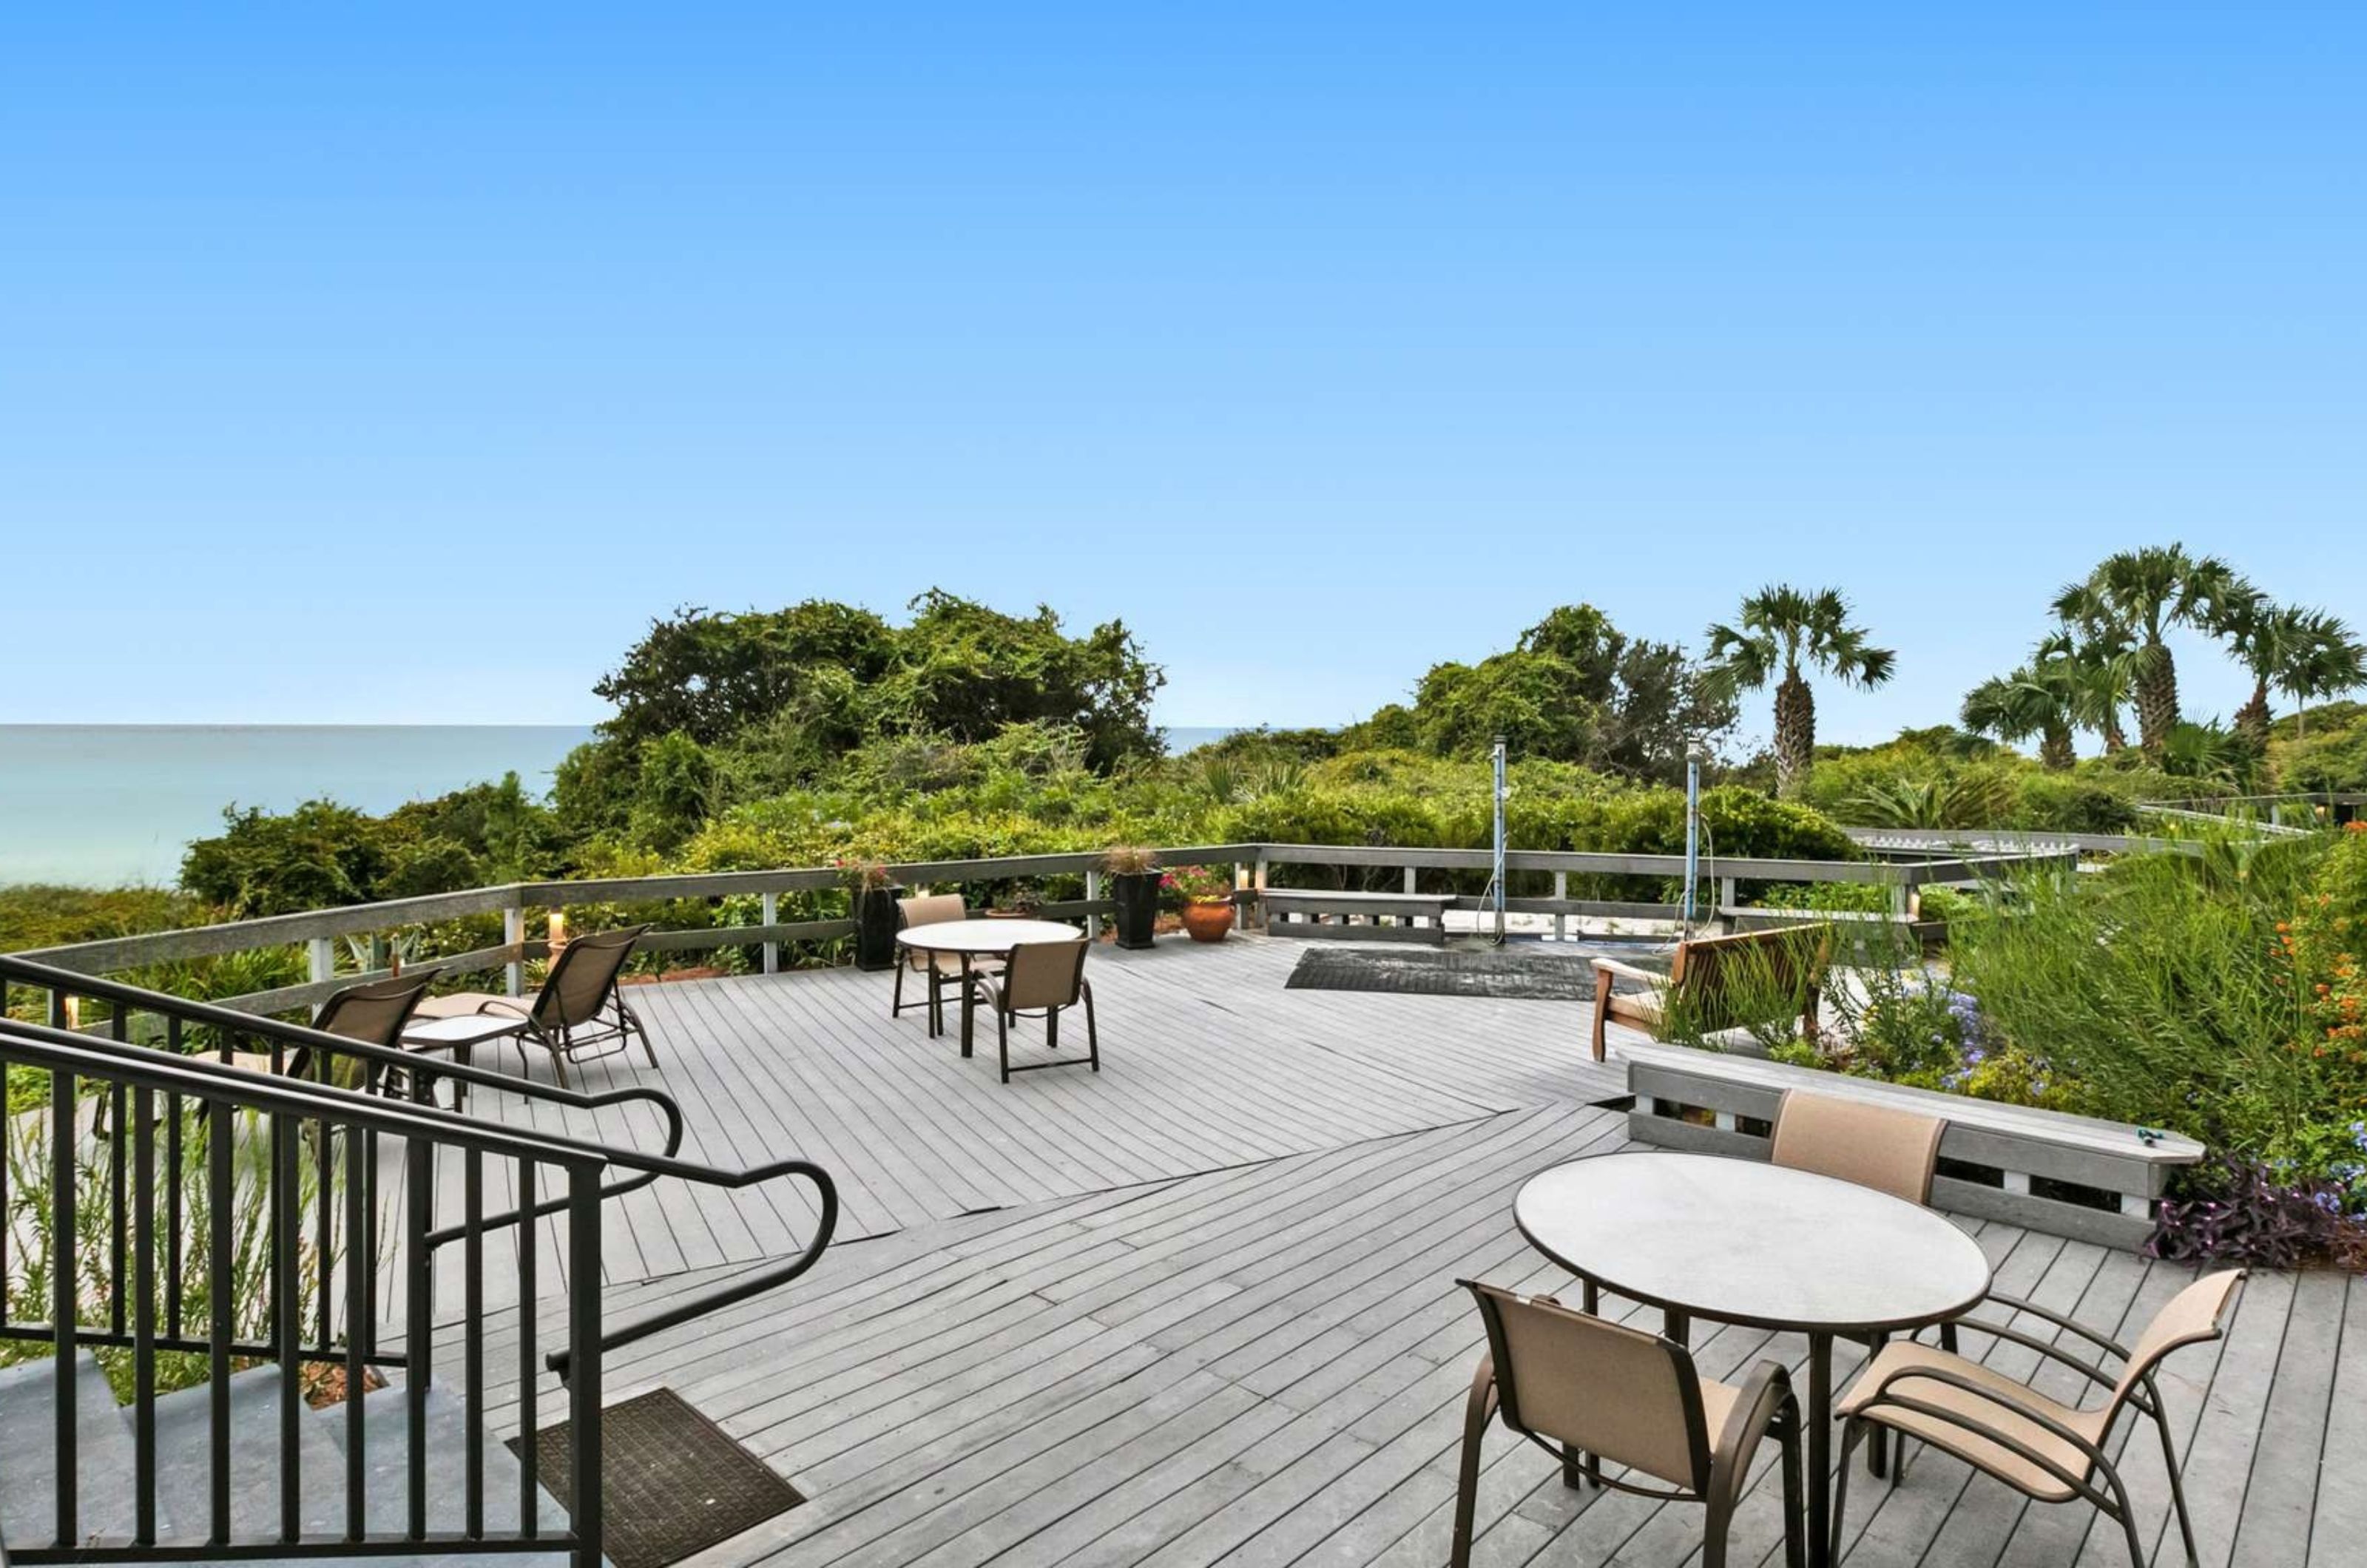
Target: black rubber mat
x,y
671,1484
1519,974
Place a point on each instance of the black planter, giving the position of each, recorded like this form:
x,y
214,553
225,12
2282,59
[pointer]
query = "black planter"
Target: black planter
x,y
1135,893
876,921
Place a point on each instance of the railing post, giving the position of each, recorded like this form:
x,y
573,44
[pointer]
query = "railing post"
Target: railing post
x,y
514,935
1729,894
321,963
1241,910
1257,882
287,1211
771,916
1561,895
65,1306
1409,875
583,1364
1093,893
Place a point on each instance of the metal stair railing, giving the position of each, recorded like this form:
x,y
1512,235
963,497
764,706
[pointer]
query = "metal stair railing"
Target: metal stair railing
x,y
214,1104
126,1002
345,1128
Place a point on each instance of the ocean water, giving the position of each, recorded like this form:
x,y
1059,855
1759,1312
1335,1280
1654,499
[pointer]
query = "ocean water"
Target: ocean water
x,y
102,806
106,805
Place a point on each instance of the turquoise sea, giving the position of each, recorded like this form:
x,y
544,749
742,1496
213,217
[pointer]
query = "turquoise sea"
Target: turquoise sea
x,y
107,804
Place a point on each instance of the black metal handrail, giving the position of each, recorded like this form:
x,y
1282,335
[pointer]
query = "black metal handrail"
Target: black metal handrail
x,y
206,1098
134,1073
285,1039
647,1169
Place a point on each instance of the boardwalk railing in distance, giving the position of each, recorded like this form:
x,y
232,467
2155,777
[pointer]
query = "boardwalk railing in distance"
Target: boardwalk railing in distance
x,y
1255,867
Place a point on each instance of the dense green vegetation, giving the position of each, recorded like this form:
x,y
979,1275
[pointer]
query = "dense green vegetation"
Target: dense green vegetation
x,y
2216,993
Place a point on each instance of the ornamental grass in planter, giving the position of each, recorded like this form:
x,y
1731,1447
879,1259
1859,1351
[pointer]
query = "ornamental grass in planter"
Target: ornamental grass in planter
x,y
1133,870
871,895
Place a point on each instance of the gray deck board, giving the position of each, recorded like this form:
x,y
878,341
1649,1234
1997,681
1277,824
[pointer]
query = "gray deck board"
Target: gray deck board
x,y
1201,1309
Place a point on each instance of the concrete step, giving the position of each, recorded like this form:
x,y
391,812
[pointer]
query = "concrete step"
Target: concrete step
x,y
386,1457
184,1449
105,1461
104,1458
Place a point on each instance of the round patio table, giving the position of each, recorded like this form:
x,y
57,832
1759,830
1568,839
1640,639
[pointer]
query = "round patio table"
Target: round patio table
x,y
1739,1240
972,940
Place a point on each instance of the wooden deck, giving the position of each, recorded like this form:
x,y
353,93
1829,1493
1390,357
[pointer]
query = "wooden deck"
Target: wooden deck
x,y
1209,1314
1207,1062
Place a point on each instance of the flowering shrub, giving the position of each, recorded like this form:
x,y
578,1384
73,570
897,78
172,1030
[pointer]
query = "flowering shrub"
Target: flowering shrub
x,y
1198,884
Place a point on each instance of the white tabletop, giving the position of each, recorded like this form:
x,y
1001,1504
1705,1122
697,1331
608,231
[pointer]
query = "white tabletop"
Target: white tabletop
x,y
1745,1242
466,1028
984,936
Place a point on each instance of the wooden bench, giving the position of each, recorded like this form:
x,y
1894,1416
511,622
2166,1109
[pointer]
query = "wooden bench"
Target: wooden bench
x,y
1298,911
1716,979
2071,1175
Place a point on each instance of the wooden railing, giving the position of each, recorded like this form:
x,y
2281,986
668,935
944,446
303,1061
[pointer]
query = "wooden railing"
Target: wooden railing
x,y
1255,867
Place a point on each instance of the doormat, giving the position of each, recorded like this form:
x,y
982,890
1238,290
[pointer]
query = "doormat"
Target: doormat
x,y
1511,974
671,1484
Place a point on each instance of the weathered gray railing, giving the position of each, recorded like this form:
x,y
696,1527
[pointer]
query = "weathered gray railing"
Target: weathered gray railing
x,y
1936,841
1256,866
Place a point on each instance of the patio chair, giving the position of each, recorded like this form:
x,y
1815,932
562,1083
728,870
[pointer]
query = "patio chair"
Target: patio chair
x,y
373,1012
1041,979
1881,1147
944,969
580,1013
1717,982
1585,1390
2048,1451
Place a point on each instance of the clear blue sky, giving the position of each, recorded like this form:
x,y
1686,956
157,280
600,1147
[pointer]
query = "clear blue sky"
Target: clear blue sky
x,y
398,363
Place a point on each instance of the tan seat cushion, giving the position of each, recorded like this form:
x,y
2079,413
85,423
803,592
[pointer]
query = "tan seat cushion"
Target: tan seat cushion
x,y
1718,1400
949,965
1997,1414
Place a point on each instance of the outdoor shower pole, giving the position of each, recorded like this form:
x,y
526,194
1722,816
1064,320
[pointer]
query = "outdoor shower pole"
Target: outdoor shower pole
x,y
1498,866
1692,837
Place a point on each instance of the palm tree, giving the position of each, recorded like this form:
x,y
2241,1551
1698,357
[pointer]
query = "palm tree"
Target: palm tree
x,y
2142,594
1783,630
2319,658
2043,699
2096,659
2265,637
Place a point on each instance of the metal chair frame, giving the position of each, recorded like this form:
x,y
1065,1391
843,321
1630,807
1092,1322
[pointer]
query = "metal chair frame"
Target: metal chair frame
x,y
1721,1462
2144,1396
997,999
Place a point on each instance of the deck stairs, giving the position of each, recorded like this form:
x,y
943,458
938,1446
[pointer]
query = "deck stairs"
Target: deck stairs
x,y
105,1460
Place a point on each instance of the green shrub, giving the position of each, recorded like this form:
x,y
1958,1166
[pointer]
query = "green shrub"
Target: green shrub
x,y
2160,992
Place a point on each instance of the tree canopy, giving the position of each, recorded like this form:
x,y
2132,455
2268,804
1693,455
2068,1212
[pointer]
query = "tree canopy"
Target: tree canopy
x,y
1573,688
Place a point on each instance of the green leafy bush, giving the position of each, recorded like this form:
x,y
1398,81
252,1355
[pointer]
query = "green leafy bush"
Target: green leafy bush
x,y
2172,991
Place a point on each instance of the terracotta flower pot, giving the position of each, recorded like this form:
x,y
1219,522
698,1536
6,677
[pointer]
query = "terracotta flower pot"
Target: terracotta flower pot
x,y
1207,922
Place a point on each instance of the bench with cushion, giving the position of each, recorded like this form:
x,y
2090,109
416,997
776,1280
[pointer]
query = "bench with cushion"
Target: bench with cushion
x,y
1718,980
1302,912
2043,1171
